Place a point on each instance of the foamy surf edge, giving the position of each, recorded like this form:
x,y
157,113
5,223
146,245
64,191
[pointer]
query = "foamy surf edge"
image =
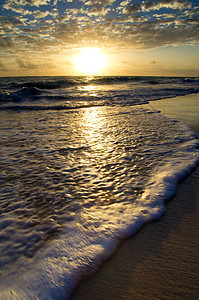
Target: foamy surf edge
x,y
56,270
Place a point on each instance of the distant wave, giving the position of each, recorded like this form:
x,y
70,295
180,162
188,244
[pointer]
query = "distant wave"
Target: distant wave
x,y
51,83
58,93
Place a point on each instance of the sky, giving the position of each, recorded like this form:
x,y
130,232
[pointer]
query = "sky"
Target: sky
x,y
137,38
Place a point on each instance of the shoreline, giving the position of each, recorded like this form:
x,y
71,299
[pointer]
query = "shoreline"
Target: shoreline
x,y
161,260
179,108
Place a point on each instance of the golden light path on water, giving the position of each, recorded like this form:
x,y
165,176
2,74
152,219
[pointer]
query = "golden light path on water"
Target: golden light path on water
x,y
94,127
100,155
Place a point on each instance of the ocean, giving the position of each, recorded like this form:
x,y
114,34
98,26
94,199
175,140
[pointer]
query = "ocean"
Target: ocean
x,y
84,165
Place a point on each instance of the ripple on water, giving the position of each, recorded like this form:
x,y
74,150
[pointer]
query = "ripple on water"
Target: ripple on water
x,y
54,169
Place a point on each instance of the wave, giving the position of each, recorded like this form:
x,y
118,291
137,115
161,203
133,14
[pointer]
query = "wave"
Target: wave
x,y
41,83
19,95
53,103
54,107
51,83
60,93
191,79
64,82
73,192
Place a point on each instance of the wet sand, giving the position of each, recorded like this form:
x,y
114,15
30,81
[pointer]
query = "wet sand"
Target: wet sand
x,y
162,260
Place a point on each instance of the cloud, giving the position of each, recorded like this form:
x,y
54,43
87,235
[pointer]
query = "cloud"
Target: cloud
x,y
187,21
94,3
98,7
124,3
15,7
6,42
194,12
2,67
149,37
148,5
153,62
40,14
43,29
173,4
170,4
132,9
30,2
25,64
10,22
66,32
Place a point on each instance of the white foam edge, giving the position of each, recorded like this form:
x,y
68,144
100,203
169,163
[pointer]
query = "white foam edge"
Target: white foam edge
x,y
55,271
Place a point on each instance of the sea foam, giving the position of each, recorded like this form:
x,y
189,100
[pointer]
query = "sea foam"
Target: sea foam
x,y
75,184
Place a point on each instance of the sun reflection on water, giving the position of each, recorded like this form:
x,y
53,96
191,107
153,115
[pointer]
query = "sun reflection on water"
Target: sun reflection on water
x,y
94,124
90,89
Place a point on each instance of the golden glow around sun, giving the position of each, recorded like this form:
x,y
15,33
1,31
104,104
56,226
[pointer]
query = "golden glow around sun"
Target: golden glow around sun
x,y
90,61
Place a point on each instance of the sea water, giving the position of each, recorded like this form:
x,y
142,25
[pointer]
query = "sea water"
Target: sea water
x,y
84,164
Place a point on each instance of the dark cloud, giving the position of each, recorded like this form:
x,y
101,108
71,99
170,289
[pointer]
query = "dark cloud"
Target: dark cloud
x,y
5,42
148,37
10,22
165,2
67,32
25,64
153,62
148,5
132,9
98,7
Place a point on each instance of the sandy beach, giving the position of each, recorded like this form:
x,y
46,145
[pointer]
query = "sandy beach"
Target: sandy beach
x,y
161,261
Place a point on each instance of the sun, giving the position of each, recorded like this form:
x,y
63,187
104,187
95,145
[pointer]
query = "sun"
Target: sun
x,y
90,61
